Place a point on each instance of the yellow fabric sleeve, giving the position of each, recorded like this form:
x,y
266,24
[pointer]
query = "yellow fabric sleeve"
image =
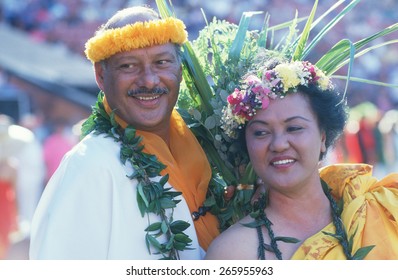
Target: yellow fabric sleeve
x,y
370,214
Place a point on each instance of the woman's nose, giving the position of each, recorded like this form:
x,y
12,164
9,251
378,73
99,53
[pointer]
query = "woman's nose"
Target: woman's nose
x,y
280,142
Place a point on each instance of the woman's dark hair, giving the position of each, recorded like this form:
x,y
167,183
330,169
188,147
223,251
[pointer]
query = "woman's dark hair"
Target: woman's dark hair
x,y
330,108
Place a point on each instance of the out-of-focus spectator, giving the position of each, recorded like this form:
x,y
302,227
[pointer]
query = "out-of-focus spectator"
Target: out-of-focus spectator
x,y
388,127
8,176
367,139
26,152
56,145
35,123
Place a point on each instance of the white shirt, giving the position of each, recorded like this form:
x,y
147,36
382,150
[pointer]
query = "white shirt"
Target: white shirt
x,y
89,211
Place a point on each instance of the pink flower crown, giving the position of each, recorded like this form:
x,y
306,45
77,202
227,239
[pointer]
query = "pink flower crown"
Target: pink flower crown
x,y
256,92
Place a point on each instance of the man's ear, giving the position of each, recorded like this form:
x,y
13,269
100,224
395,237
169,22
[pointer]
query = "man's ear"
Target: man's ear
x,y
99,74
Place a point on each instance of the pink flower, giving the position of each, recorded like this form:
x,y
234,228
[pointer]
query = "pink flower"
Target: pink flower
x,y
264,101
257,89
252,80
235,97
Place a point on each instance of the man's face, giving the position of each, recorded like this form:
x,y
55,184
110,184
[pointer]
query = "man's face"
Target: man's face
x,y
142,85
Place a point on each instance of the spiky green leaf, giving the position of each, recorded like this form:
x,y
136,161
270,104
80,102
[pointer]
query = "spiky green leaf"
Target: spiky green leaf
x,y
305,34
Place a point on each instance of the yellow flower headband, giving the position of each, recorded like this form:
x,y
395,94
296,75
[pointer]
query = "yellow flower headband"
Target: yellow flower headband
x,y
134,36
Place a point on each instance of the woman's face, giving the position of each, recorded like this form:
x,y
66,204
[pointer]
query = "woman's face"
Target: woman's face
x,y
284,143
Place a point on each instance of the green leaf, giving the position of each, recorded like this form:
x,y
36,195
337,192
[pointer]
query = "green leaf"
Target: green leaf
x,y
194,69
180,245
129,133
196,114
305,34
164,10
254,224
361,253
167,203
164,228
364,51
351,242
237,44
210,122
178,226
141,205
249,175
154,226
164,180
338,237
329,57
321,34
170,243
262,39
267,247
153,241
210,201
365,81
141,193
287,239
339,54
183,238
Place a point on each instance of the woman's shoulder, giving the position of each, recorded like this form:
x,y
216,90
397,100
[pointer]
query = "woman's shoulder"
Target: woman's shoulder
x,y
236,242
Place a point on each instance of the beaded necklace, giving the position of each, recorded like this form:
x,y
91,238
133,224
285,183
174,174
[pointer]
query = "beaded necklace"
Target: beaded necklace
x,y
261,219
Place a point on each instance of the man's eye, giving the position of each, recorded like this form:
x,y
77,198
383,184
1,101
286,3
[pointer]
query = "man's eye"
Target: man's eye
x,y
125,66
164,62
128,67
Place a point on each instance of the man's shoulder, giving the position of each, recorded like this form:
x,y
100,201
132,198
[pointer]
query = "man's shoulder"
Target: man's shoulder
x,y
95,148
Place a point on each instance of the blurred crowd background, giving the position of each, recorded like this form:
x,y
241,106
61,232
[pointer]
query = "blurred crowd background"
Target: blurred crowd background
x,y
42,103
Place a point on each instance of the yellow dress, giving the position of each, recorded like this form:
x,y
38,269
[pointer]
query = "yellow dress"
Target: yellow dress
x,y
370,214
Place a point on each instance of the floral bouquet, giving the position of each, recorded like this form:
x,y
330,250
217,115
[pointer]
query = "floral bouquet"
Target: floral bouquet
x,y
212,69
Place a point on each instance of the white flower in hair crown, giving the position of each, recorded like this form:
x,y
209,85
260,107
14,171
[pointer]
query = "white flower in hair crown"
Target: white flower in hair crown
x,y
255,92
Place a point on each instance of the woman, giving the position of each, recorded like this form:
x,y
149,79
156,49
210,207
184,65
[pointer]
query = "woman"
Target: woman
x,y
289,115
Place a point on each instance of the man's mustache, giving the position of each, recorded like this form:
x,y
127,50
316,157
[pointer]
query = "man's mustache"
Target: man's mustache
x,y
144,90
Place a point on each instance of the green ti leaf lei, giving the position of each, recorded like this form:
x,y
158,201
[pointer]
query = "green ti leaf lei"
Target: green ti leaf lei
x,y
152,196
260,219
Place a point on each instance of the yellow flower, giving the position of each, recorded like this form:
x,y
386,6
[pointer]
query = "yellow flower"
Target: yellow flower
x,y
288,75
135,36
323,81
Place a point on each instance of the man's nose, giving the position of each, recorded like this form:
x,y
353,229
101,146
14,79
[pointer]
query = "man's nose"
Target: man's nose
x,y
149,78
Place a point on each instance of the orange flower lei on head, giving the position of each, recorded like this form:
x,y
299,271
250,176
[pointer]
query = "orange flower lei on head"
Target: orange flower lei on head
x,y
133,36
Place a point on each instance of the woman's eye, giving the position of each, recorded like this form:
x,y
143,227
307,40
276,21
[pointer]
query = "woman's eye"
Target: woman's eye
x,y
294,128
259,133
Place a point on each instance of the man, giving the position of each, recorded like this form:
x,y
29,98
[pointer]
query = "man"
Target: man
x,y
106,200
